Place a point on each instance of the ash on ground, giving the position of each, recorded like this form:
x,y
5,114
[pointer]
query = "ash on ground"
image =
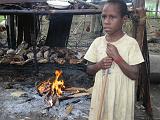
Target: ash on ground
x,y
20,101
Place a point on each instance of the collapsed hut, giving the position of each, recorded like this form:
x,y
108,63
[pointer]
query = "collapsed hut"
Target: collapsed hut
x,y
23,27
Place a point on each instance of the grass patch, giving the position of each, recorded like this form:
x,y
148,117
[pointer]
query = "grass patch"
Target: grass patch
x,y
1,18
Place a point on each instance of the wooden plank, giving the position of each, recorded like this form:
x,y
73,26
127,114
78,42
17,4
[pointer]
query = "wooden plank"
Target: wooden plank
x,y
46,12
20,1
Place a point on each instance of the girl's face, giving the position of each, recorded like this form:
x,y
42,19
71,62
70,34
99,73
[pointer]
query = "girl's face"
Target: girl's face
x,y
112,19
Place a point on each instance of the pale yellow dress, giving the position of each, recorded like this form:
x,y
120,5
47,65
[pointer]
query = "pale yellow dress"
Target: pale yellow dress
x,y
120,90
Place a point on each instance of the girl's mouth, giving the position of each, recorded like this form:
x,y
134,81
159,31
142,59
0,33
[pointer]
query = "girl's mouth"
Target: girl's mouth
x,y
107,28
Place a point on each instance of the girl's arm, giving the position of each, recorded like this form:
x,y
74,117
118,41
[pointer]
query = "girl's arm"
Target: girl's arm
x,y
131,71
93,68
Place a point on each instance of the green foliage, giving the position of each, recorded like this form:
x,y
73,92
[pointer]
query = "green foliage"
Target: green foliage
x,y
151,6
1,18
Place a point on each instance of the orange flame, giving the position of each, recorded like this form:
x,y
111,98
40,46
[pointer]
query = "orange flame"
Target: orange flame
x,y
58,85
53,86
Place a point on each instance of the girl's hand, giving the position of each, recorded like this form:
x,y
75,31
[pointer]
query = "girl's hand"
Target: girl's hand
x,y
105,63
112,51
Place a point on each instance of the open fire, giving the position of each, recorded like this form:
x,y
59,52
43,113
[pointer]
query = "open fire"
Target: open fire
x,y
56,101
52,88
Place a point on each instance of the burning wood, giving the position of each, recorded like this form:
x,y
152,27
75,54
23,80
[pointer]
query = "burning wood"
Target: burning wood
x,y
53,90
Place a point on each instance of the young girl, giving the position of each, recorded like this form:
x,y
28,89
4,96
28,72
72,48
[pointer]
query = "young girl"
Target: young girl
x,y
120,55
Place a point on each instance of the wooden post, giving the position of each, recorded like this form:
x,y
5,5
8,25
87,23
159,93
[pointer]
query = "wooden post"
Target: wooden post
x,y
11,33
157,4
141,15
144,75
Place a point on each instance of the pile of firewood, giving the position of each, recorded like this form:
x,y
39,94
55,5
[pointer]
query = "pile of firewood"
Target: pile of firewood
x,y
44,54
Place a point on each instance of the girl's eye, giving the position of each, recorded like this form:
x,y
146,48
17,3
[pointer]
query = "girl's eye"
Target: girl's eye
x,y
109,17
113,17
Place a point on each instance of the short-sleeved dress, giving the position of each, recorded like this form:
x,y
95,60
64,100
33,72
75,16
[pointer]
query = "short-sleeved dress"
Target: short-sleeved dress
x,y
120,90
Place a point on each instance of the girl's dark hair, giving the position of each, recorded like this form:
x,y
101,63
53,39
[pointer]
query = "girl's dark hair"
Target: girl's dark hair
x,y
122,6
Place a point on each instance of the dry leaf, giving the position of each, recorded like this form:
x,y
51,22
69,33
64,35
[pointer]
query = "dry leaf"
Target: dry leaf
x,y
69,109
